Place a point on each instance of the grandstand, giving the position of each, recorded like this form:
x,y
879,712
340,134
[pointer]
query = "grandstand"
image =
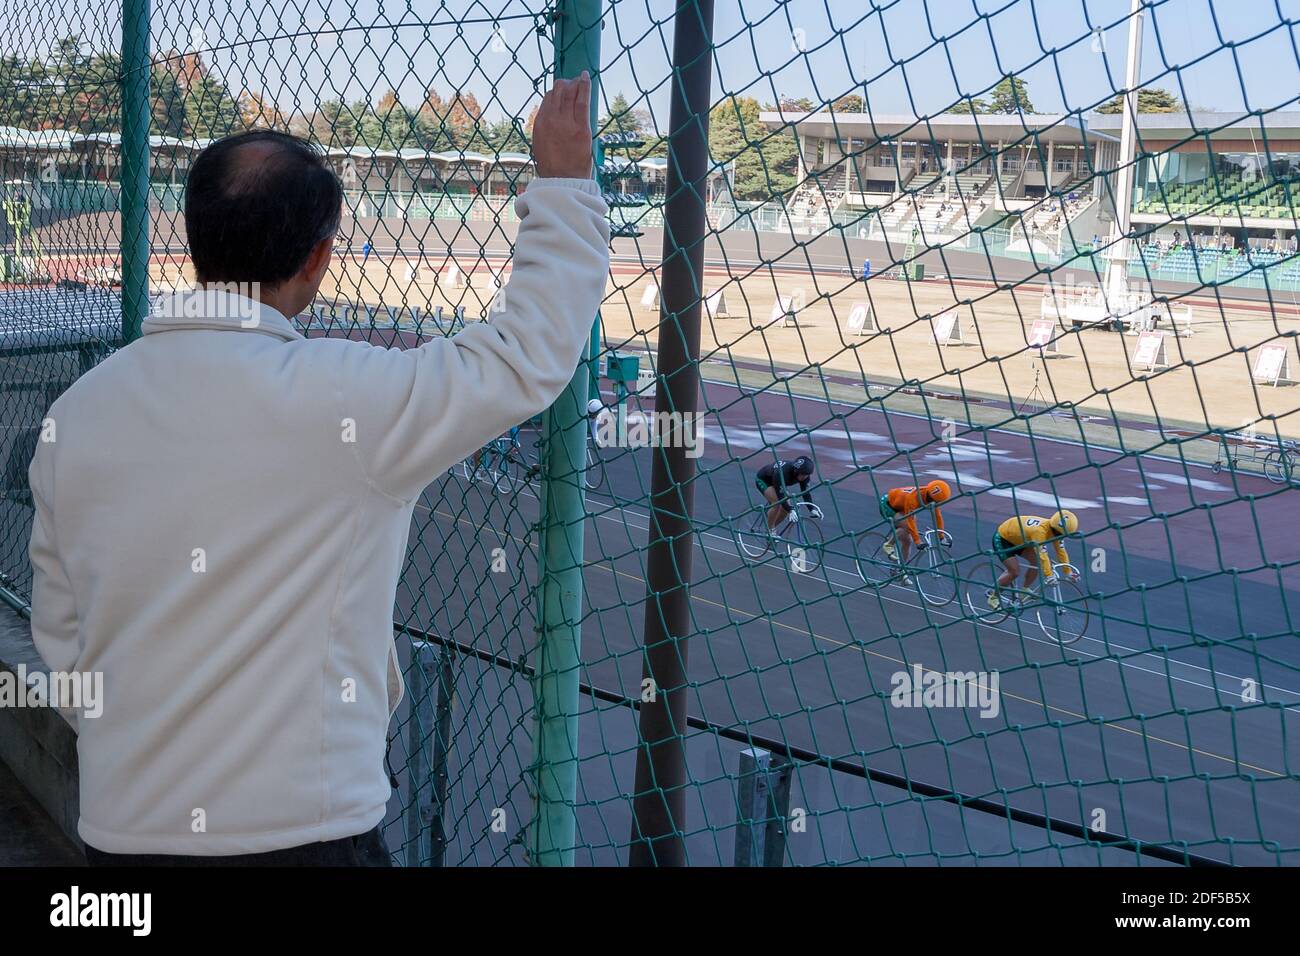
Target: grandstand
x,y
1218,182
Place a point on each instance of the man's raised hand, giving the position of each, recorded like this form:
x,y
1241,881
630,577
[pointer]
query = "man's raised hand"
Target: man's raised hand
x,y
562,130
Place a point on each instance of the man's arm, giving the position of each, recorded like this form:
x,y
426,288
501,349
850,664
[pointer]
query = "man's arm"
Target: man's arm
x,y
803,486
419,411
54,611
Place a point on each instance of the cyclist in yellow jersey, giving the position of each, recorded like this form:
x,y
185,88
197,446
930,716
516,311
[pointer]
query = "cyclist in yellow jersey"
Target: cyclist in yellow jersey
x,y
1024,536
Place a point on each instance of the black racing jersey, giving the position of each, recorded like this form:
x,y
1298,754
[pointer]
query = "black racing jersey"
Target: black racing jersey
x,y
782,476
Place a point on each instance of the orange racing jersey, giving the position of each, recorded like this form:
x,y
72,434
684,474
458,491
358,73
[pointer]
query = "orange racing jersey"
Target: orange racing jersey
x,y
907,502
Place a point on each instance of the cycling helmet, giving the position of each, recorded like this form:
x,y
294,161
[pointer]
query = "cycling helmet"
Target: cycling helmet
x,y
937,491
803,465
1064,521
594,406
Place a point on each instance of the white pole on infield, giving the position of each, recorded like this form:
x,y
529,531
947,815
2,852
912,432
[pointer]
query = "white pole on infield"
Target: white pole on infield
x,y
1117,266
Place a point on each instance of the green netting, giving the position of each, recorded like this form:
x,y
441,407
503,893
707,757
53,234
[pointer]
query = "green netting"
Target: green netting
x,y
909,260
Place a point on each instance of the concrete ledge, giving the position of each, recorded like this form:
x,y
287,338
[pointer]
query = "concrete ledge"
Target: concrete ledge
x,y
36,743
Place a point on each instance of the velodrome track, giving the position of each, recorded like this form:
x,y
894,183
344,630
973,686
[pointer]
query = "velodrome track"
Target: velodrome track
x,y
805,659
801,658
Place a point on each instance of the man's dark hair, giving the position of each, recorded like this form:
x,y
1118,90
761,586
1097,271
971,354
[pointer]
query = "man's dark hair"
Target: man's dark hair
x,y
256,204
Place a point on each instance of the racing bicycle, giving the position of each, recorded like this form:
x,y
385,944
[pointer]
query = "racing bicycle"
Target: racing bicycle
x,y
929,567
1062,609
799,534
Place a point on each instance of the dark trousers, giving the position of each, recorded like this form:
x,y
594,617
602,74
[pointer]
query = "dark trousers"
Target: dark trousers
x,y
366,849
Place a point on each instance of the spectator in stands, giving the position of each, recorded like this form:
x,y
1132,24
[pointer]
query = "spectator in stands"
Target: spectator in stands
x,y
225,535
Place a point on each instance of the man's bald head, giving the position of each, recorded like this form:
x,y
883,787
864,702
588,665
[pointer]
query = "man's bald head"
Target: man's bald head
x,y
256,205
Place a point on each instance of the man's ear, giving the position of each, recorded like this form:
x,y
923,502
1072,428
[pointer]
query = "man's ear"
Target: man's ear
x,y
319,260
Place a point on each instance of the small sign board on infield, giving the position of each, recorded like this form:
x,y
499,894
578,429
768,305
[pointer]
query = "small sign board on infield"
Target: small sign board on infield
x,y
1150,352
452,277
784,309
862,319
946,328
1042,336
1272,364
650,297
716,304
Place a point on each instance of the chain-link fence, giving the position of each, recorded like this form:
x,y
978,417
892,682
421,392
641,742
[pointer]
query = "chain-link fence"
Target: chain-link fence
x,y
928,242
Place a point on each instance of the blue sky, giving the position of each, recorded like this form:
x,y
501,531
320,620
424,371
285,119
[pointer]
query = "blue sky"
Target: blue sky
x,y
912,55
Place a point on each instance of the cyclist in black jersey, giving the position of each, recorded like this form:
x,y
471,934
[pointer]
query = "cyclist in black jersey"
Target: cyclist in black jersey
x,y
775,480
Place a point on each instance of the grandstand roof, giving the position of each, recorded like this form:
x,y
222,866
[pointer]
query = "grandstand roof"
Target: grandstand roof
x,y
13,136
35,139
1220,126
1050,127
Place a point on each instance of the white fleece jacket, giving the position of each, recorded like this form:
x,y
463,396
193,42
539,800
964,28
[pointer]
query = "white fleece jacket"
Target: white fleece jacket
x,y
221,519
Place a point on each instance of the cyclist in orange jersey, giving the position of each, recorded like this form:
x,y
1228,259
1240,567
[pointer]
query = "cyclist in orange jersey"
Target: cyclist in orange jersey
x,y
899,507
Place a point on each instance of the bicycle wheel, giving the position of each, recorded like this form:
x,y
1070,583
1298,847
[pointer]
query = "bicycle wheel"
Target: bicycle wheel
x,y
980,581
754,540
594,476
503,473
1277,467
874,565
936,576
1064,617
807,548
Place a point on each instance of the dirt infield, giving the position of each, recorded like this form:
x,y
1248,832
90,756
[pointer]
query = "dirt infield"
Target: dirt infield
x,y
1206,384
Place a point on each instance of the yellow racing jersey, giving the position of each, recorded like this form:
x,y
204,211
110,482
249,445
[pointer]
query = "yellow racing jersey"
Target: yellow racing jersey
x,y
1033,532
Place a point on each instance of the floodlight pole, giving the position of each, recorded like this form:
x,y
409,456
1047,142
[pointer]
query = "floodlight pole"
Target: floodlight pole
x,y
1117,264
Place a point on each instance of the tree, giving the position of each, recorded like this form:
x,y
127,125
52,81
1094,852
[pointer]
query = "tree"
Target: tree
x,y
166,104
333,124
779,146
388,125
465,118
850,103
969,106
765,161
506,136
436,131
1010,96
623,119
82,91
258,112
210,111
1152,100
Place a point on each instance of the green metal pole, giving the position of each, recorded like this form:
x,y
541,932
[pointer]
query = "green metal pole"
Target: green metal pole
x,y
135,166
555,686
